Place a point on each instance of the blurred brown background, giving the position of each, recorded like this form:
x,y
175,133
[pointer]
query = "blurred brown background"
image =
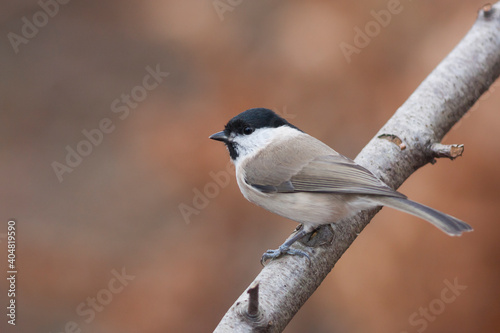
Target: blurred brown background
x,y
117,211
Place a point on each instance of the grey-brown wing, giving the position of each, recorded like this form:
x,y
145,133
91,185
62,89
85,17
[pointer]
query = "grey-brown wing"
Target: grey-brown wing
x,y
338,174
272,168
318,169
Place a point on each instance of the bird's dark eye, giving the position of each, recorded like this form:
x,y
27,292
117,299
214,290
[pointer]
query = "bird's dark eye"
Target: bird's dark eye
x,y
247,130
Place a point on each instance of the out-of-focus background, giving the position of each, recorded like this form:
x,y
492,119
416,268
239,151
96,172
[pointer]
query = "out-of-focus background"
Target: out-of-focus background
x,y
126,218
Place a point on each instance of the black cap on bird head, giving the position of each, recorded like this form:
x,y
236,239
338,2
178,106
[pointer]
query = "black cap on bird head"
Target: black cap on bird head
x,y
247,122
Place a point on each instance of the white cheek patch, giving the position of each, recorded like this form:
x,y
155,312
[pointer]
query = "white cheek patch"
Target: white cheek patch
x,y
249,145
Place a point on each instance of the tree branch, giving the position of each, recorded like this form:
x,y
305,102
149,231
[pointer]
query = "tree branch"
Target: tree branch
x,y
419,125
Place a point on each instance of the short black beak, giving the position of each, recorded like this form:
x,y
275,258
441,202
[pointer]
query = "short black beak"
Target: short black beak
x,y
220,136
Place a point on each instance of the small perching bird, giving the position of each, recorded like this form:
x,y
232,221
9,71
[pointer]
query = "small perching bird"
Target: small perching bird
x,y
292,174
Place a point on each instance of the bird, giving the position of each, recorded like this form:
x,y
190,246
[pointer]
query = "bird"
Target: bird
x,y
290,173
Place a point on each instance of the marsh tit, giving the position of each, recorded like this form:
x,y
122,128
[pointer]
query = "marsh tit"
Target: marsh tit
x,y
292,174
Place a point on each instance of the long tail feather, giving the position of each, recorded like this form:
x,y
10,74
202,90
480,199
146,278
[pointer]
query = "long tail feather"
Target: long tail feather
x,y
450,225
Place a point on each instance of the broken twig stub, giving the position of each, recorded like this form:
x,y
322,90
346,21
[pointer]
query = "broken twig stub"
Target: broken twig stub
x,y
449,151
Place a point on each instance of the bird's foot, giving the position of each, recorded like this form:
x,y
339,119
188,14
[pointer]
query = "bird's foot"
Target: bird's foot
x,y
282,250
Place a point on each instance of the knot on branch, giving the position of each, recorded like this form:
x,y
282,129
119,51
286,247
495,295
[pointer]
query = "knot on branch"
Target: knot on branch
x,y
394,139
487,11
322,236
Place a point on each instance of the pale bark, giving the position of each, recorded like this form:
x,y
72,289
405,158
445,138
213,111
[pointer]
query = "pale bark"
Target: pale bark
x,y
408,141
